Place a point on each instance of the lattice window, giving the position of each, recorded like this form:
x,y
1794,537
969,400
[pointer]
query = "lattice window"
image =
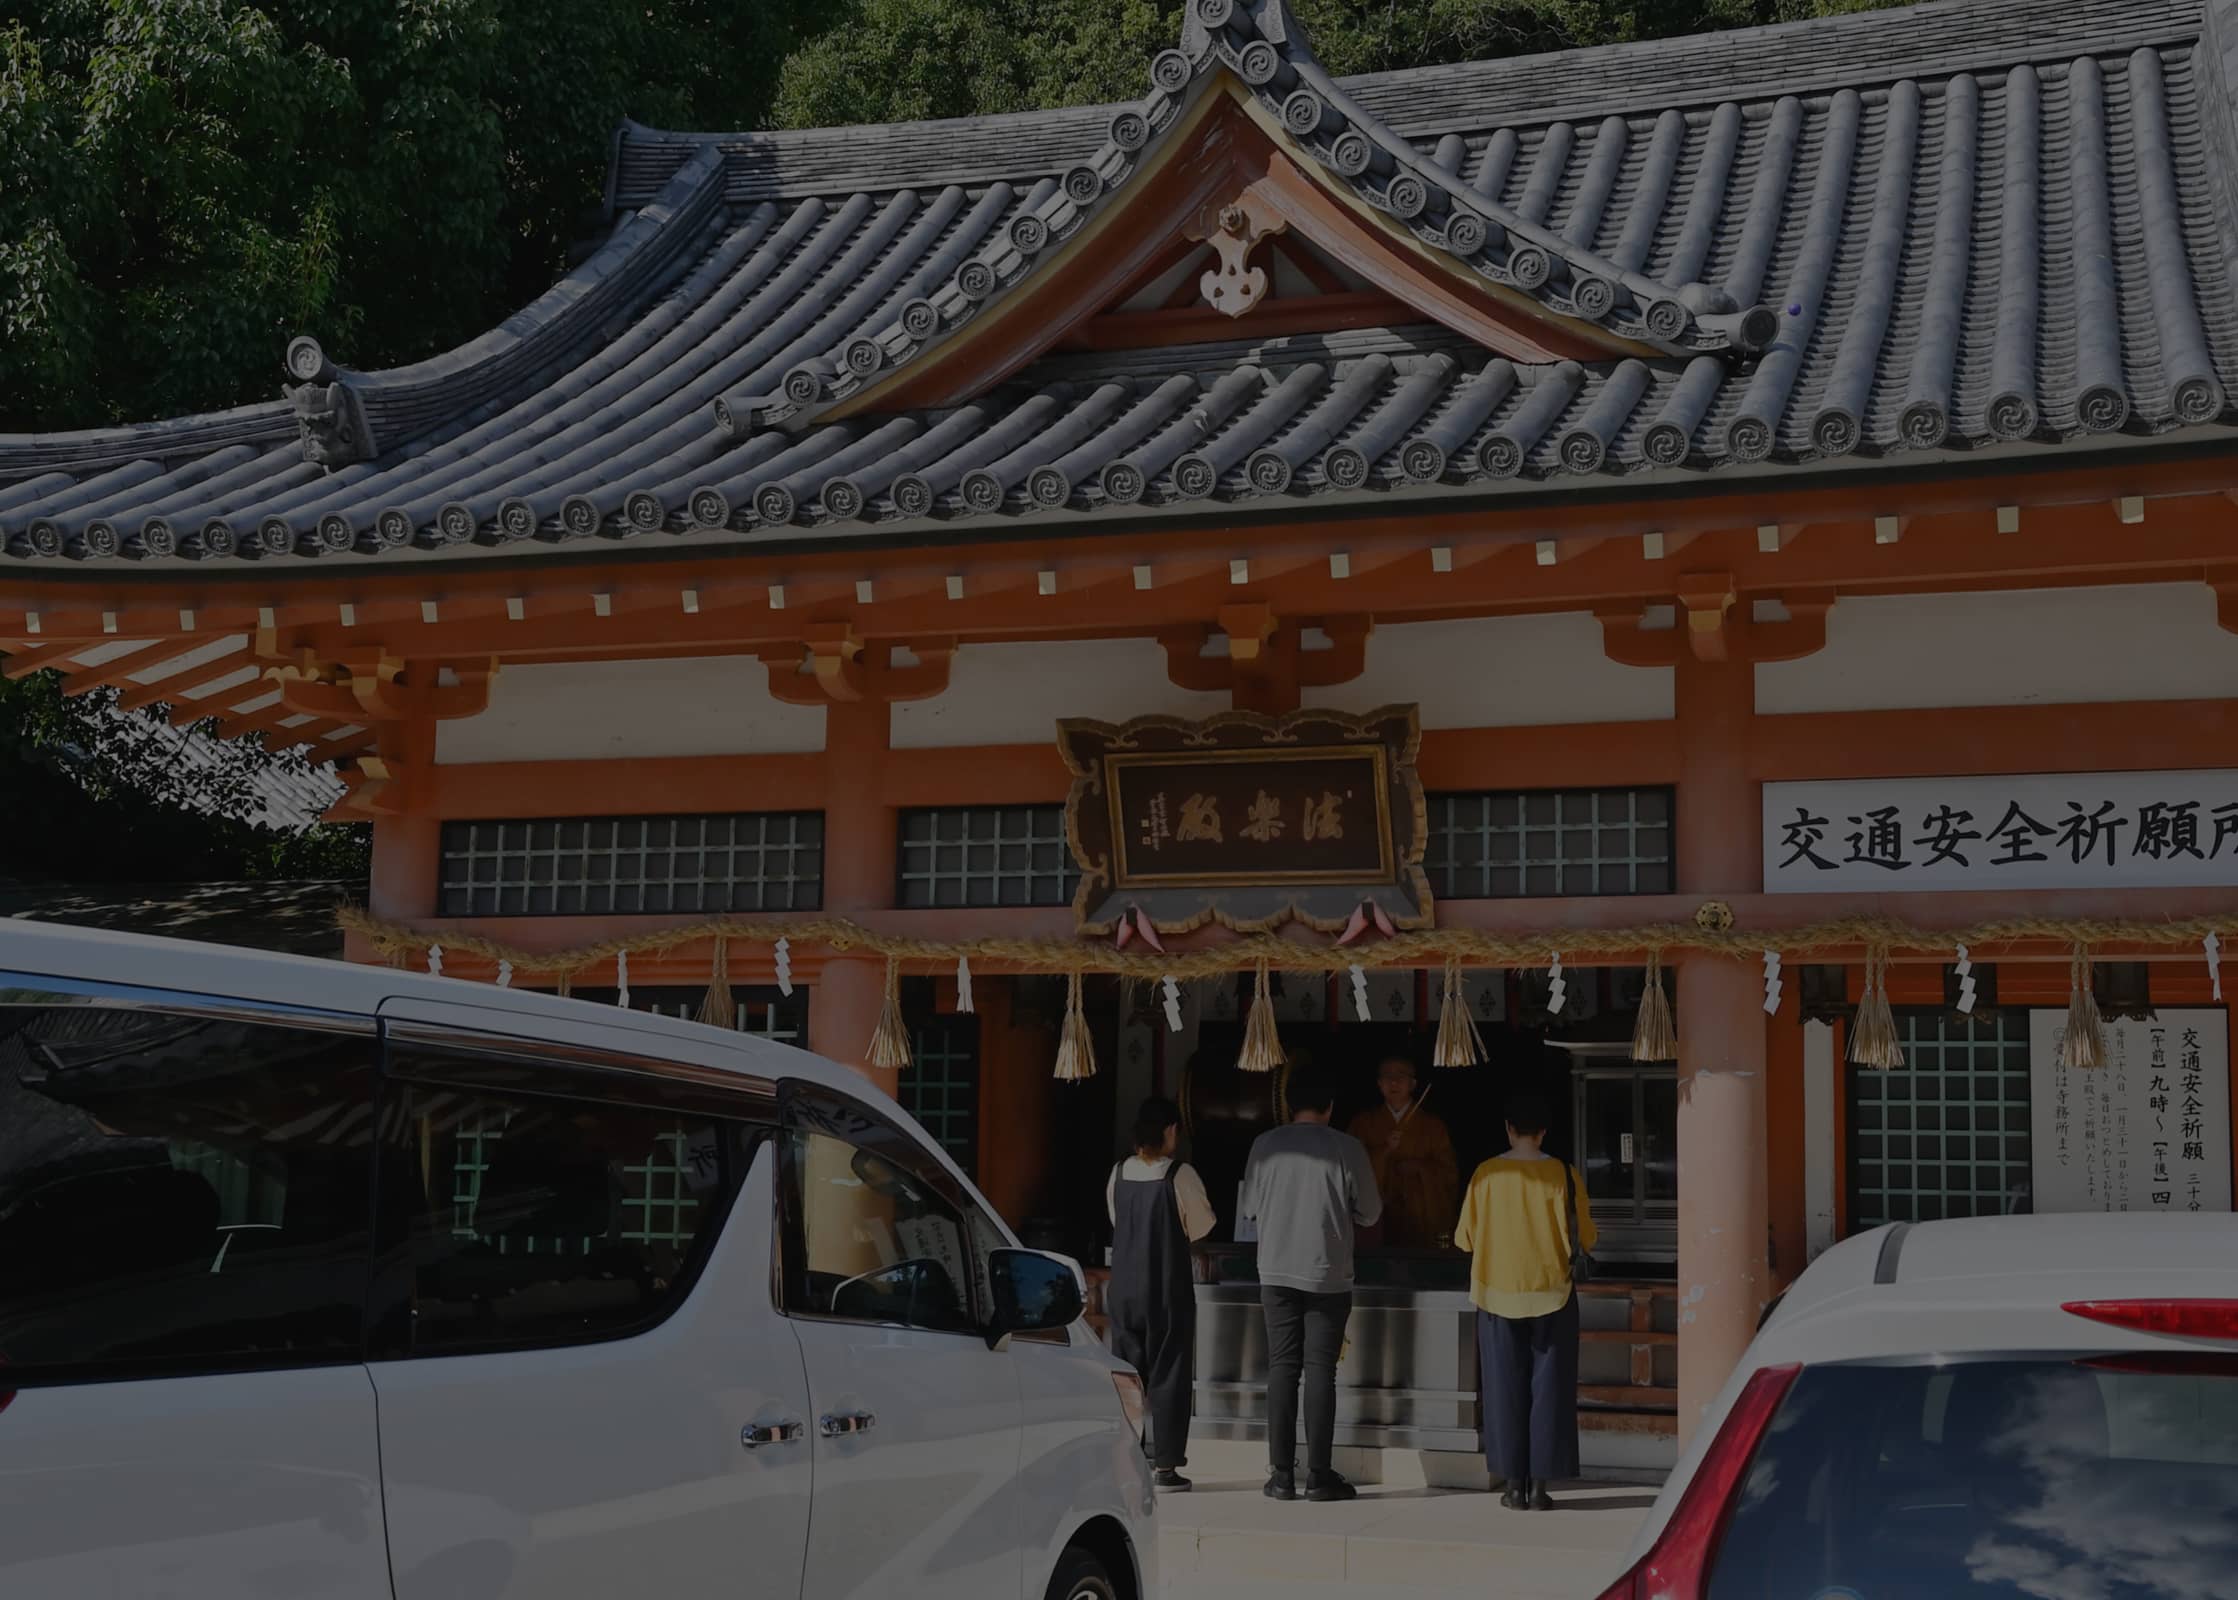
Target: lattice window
x,y
986,856
577,866
1948,1135
940,1086
1506,843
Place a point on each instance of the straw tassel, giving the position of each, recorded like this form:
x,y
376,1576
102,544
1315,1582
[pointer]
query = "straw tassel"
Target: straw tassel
x,y
1459,1044
718,1009
1076,1050
1872,1037
2085,1043
1654,1035
1262,1041
889,1041
565,986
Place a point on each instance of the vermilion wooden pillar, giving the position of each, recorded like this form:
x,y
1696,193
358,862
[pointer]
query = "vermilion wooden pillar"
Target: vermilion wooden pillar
x,y
1723,1277
859,843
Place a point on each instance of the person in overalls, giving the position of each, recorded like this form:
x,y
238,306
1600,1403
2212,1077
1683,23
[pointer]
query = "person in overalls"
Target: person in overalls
x,y
1158,1209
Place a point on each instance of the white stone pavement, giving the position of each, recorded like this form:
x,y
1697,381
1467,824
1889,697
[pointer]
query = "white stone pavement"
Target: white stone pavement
x,y
1225,1539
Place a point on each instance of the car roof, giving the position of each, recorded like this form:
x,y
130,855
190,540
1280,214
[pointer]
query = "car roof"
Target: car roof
x,y
264,977
1950,1256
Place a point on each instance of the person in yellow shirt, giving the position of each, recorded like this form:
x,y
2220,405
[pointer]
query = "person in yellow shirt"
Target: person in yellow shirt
x,y
1516,1222
1416,1171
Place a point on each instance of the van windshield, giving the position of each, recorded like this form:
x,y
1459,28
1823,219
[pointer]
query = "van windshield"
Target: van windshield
x,y
2114,1478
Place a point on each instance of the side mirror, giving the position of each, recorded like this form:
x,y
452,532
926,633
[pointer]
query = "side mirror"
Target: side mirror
x,y
1034,1293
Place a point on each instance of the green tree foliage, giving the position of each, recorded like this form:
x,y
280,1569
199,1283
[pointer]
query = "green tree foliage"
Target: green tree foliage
x,y
186,183
895,60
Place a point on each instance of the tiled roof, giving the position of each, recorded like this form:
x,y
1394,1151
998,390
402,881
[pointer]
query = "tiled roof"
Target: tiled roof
x,y
1952,227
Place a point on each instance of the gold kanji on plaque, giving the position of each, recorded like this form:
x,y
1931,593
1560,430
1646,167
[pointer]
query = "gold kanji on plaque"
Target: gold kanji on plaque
x,y
1200,819
1266,819
1323,818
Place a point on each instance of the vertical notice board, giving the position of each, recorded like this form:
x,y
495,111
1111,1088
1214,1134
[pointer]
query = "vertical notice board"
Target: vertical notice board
x,y
2147,1131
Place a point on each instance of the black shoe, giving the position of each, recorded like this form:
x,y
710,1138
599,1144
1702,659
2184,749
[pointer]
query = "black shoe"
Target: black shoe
x,y
1167,1478
1512,1498
1280,1486
1330,1486
1540,1499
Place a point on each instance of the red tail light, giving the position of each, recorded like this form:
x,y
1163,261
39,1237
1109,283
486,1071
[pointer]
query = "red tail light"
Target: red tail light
x,y
1678,1566
2179,1319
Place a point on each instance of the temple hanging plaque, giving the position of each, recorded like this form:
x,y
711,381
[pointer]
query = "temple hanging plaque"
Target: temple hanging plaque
x,y
1247,820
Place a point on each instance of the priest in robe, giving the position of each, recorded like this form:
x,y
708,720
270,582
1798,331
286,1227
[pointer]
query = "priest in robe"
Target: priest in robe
x,y
1416,1170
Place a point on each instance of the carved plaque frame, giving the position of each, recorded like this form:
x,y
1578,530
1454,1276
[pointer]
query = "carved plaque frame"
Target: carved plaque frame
x,y
1262,786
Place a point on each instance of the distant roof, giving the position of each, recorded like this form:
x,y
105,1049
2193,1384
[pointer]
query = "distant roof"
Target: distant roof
x,y
1966,226
294,918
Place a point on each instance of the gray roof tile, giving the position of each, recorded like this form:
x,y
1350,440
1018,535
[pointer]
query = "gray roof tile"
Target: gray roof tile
x,y
1962,224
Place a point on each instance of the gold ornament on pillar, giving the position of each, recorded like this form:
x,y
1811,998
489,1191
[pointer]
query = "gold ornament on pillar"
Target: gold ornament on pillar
x,y
1872,1036
1262,1040
717,1008
889,1041
1654,1035
2085,1043
1459,1044
1076,1050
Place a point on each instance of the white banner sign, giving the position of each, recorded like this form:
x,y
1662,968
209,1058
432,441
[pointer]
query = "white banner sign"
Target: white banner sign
x,y
2105,830
2148,1131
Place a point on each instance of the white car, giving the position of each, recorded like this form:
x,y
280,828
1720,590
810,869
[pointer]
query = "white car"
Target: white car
x,y
2035,1407
326,1281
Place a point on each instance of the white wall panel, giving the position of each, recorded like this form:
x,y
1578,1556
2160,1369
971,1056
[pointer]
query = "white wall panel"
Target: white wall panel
x,y
1503,672
693,706
2011,648
1014,693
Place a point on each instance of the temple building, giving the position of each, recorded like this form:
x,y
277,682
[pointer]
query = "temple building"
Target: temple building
x,y
1771,490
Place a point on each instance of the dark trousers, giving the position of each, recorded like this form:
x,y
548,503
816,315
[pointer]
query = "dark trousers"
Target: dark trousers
x,y
1305,1334
1529,1368
1166,1358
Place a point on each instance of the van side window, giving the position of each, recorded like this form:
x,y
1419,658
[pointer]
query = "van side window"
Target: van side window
x,y
527,1220
180,1192
869,1237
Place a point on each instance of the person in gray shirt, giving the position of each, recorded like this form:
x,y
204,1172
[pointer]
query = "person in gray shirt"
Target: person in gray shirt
x,y
1306,1187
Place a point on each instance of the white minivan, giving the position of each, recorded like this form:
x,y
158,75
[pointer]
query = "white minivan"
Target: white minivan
x,y
323,1281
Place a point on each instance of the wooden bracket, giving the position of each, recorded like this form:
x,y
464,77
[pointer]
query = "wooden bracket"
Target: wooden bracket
x,y
2224,581
1713,630
842,669
1707,598
1264,668
381,688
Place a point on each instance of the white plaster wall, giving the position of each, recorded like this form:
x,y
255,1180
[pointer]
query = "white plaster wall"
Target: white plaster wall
x,y
2011,648
693,706
1014,693
1502,672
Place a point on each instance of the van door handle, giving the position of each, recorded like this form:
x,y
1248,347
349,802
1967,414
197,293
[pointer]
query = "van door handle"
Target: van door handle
x,y
756,1434
839,1424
